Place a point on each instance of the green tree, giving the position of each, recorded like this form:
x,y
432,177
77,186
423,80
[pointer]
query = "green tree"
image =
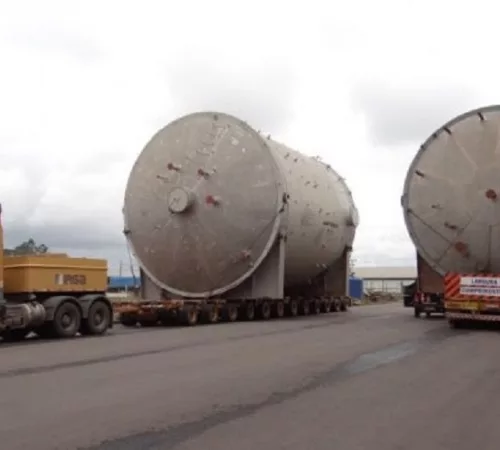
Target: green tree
x,y
28,247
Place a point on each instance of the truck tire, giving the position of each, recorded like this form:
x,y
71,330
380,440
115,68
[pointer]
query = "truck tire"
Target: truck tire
x,y
264,311
305,307
326,306
128,319
188,316
98,319
316,306
67,320
293,308
279,310
248,311
416,312
15,335
209,314
229,313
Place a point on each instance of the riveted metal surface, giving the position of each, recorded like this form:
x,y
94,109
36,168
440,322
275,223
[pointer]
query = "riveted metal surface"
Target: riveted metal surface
x,y
450,194
205,202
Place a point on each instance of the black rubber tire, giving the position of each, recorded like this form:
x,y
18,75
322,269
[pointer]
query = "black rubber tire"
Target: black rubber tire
x,y
335,305
188,316
128,320
427,314
416,312
264,311
67,320
316,306
279,310
304,308
326,306
209,314
343,305
292,308
229,313
15,335
98,320
248,311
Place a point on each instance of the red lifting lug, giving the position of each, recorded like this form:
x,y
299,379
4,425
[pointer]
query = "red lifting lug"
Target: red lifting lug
x,y
212,200
491,194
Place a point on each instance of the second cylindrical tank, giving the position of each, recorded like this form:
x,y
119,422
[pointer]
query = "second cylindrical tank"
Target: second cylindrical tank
x,y
208,197
451,197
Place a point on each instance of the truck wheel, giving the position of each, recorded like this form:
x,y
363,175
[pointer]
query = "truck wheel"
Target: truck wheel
x,y
98,320
416,312
326,307
15,335
209,314
188,316
264,311
317,306
128,320
427,314
279,310
343,305
67,320
305,307
248,311
335,304
229,313
293,308
456,323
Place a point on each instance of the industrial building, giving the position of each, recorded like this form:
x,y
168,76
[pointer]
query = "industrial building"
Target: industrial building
x,y
386,279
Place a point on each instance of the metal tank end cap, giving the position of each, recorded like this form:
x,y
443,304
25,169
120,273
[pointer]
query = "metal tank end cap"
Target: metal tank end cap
x,y
180,200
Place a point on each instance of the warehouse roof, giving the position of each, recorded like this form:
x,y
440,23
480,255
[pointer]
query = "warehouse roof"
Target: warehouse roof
x,y
386,273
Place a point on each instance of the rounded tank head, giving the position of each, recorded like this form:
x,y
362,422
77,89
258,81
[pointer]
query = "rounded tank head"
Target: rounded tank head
x,y
451,197
202,204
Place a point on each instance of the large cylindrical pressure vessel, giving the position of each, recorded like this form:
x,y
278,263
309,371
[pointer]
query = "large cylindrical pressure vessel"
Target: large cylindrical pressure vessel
x,y
208,196
451,197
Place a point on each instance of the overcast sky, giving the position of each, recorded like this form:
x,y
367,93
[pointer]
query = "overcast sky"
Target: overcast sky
x,y
85,84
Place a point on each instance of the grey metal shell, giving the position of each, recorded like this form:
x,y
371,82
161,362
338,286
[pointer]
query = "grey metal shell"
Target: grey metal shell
x,y
208,197
450,194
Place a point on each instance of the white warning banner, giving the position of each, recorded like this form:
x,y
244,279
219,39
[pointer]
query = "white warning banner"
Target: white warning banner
x,y
489,286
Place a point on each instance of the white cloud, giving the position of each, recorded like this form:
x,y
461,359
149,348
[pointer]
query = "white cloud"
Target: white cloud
x,y
84,85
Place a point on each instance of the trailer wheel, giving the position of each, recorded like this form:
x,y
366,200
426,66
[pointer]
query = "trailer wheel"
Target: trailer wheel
x,y
316,306
209,314
343,305
335,304
279,310
188,316
128,320
416,312
264,310
67,320
230,313
248,311
15,335
456,323
292,309
305,307
326,306
98,320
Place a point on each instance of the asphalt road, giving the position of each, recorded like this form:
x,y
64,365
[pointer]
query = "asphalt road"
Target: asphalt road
x,y
373,378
